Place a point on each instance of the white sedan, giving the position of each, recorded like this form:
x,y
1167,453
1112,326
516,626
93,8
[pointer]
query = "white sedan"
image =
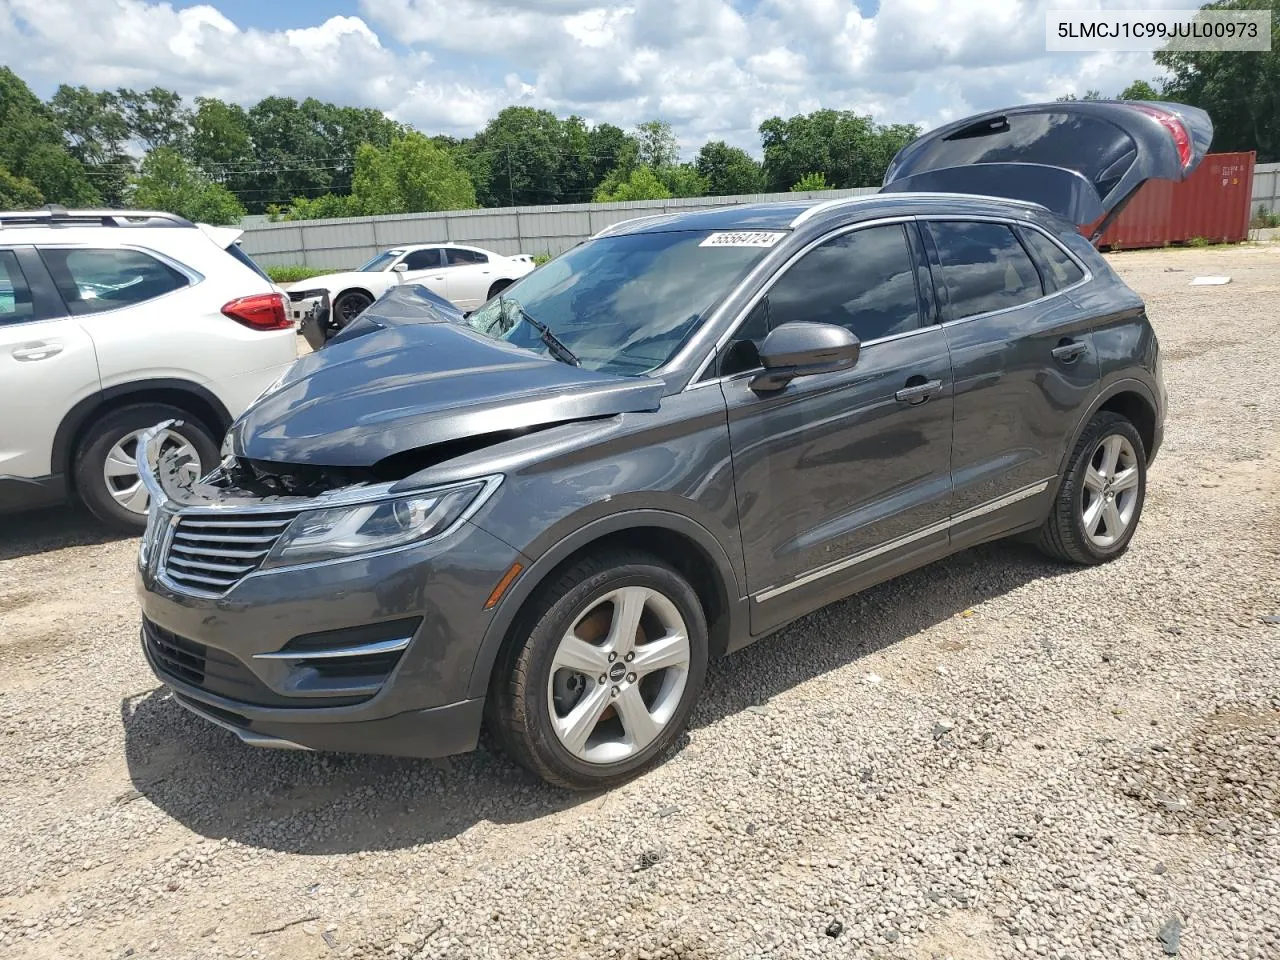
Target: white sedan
x,y
466,276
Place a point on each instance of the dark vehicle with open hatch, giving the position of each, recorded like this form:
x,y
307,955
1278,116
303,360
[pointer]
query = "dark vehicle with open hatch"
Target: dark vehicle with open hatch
x,y
665,444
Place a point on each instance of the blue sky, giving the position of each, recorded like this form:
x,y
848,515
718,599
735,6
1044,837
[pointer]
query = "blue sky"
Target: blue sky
x,y
713,68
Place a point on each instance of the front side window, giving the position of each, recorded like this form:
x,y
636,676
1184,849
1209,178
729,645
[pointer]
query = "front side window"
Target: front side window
x,y
15,296
93,281
456,257
423,259
622,304
1058,269
985,267
863,280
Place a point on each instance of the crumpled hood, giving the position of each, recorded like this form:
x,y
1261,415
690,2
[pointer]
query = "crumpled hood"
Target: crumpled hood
x,y
415,380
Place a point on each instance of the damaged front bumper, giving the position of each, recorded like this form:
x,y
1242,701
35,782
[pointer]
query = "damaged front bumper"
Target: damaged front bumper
x,y
368,653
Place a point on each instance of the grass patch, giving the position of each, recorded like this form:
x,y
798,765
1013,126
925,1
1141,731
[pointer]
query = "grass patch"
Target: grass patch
x,y
292,272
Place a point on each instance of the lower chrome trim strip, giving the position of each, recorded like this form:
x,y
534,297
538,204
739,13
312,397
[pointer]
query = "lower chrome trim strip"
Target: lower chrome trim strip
x,y
360,650
247,736
979,511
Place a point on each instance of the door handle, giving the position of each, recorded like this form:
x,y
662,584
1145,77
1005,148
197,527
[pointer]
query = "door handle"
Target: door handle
x,y
918,392
1069,351
37,351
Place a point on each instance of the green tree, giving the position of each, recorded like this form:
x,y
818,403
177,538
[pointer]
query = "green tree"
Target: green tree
x,y
729,170
1240,91
683,180
318,208
657,145
526,156
18,193
610,148
810,181
1139,90
96,133
32,147
641,184
411,175
156,117
848,149
167,181
1088,95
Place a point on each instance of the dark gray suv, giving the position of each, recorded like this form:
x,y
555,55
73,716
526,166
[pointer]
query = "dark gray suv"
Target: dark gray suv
x,y
664,445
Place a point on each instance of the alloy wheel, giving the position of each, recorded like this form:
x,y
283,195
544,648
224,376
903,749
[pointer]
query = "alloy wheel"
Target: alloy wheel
x,y
618,674
1110,492
120,469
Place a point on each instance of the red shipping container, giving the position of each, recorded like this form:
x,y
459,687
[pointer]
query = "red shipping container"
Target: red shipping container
x,y
1213,203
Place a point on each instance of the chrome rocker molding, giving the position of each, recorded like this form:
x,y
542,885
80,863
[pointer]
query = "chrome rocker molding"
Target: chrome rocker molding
x,y
978,511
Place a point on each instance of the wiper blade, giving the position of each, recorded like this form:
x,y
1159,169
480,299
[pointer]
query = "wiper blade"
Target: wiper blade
x,y
554,344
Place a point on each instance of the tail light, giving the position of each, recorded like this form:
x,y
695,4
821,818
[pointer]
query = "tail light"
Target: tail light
x,y
1170,122
262,311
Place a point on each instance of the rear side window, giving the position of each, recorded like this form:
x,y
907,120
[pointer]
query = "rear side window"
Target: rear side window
x,y
457,258
15,296
238,254
93,281
1058,269
422,259
985,267
863,280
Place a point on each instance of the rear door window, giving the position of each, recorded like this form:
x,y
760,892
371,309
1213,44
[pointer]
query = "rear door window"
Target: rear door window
x,y
93,281
1058,269
16,303
456,257
984,267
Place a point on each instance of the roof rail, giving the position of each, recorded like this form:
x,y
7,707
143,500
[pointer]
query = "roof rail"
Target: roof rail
x,y
811,212
56,215
605,231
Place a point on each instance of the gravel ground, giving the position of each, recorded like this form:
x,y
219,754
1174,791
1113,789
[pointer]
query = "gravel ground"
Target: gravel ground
x,y
992,757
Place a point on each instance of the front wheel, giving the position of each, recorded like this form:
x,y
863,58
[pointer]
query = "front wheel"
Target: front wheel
x,y
106,467
604,673
349,305
1096,512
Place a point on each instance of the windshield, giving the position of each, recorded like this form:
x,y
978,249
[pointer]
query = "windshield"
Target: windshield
x,y
381,262
623,304
239,254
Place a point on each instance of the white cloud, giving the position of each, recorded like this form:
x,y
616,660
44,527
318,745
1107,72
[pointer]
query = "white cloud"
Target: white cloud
x,y
711,67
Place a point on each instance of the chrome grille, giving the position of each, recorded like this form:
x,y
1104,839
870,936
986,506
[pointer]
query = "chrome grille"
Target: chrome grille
x,y
214,553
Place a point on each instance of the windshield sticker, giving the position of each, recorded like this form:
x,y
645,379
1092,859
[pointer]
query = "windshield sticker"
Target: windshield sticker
x,y
742,239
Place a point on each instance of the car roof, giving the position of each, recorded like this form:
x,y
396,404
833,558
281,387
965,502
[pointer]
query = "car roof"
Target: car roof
x,y
788,214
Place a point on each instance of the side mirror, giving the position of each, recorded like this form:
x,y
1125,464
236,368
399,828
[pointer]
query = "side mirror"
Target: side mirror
x,y
802,350
401,268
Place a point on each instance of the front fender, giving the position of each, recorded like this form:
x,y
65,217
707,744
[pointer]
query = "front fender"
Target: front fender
x,y
594,530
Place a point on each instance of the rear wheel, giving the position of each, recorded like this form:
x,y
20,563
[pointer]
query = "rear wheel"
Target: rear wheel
x,y
497,288
1100,501
349,305
106,464
607,666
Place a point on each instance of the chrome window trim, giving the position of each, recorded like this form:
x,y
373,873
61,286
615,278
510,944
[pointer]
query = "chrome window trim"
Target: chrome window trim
x,y
871,553
768,285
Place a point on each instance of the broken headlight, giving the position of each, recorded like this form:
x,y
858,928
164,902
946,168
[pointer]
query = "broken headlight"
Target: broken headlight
x,y
361,528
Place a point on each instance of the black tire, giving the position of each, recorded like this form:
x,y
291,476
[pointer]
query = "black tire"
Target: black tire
x,y
1064,536
101,436
497,288
518,710
348,305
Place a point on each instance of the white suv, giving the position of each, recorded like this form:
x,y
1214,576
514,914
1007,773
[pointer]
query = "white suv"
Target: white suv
x,y
111,321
